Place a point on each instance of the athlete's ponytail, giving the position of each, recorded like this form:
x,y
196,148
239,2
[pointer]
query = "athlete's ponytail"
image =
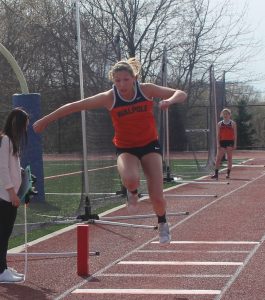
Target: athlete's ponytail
x,y
132,66
135,64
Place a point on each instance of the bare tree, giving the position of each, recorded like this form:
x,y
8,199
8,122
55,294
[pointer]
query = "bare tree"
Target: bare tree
x,y
143,27
210,35
42,36
197,35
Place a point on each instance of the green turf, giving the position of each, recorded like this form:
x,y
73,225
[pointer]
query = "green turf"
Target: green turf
x,y
100,181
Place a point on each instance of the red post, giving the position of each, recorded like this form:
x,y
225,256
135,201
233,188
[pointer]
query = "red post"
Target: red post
x,y
82,250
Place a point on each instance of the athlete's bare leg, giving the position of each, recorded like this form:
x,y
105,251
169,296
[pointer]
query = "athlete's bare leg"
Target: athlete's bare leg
x,y
219,156
129,170
153,169
229,152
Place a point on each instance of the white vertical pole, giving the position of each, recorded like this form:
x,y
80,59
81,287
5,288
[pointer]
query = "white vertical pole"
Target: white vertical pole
x,y
213,93
166,118
163,77
83,114
212,148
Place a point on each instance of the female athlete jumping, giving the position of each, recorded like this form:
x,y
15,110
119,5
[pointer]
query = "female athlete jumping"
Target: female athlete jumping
x,y
130,104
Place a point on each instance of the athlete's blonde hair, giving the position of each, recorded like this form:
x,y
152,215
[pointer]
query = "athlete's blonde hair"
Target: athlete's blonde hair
x,y
225,110
132,66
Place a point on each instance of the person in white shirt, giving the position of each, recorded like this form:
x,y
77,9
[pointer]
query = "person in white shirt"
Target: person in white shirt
x,y
12,138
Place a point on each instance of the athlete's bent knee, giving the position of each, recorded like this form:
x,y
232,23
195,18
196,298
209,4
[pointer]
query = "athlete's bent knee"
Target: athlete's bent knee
x,y
131,182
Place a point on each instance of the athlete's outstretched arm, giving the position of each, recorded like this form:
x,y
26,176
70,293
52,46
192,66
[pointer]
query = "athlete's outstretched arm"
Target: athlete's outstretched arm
x,y
168,95
98,101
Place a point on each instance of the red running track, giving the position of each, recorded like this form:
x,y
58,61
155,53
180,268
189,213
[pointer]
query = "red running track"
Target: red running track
x,y
217,251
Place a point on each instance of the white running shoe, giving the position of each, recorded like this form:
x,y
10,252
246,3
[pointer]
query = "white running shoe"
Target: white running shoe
x,y
15,272
132,202
163,232
8,277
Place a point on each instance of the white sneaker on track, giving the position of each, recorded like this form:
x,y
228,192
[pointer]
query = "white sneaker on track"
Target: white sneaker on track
x,y
163,232
15,272
8,277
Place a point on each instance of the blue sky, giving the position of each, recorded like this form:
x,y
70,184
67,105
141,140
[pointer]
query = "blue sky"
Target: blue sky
x,y
255,17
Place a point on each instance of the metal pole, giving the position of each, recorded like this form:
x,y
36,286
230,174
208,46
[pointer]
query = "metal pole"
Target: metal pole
x,y
224,90
201,182
93,253
121,224
185,213
166,117
182,196
83,114
117,43
214,98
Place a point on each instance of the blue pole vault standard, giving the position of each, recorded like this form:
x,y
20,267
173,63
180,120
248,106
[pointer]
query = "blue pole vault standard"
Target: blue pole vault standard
x,y
32,153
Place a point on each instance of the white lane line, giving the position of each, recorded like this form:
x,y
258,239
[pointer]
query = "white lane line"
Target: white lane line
x,y
181,263
183,221
250,166
192,251
166,275
147,291
240,269
212,242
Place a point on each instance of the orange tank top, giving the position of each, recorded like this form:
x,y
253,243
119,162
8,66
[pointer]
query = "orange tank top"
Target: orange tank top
x,y
133,120
226,131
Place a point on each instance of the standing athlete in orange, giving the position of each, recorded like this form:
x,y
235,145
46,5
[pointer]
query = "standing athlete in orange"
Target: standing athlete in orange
x,y
130,104
226,141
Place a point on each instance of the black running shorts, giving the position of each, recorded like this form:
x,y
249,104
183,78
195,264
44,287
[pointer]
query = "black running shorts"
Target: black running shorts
x,y
226,143
154,146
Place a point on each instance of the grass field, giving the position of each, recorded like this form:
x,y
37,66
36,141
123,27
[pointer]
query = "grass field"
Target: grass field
x,y
63,193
